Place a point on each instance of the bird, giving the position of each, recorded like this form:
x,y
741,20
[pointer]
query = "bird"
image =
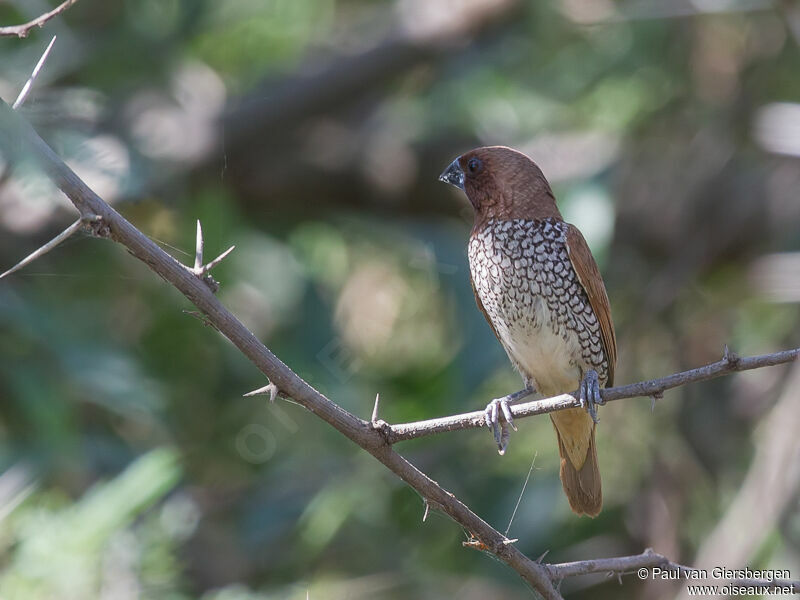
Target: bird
x,y
535,280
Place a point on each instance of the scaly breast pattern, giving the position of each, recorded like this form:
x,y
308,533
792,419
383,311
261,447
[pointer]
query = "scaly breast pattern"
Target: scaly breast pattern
x,y
524,278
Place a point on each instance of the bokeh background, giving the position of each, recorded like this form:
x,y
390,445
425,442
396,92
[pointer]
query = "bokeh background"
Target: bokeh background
x,y
309,133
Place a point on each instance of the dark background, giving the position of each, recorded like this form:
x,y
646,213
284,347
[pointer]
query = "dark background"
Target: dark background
x,y
309,133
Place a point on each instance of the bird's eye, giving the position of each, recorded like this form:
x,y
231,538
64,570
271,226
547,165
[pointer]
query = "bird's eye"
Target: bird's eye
x,y
474,165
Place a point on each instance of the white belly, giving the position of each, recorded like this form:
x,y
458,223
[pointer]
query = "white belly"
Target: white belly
x,y
542,356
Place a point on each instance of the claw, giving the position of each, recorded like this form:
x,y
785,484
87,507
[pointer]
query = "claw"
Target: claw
x,y
504,436
494,423
499,418
507,414
589,393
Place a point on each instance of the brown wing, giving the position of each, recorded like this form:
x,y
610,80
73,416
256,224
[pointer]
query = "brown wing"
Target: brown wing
x,y
589,276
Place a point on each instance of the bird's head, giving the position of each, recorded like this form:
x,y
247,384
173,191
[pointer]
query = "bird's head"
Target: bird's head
x,y
501,183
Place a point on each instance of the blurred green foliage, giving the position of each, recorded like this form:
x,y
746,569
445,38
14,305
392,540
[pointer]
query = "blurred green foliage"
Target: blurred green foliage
x,y
309,134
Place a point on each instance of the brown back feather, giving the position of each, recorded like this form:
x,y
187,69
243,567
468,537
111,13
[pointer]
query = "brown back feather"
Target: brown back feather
x,y
589,276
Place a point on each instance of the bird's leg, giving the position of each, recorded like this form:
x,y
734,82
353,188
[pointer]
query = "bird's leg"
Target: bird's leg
x,y
498,416
589,393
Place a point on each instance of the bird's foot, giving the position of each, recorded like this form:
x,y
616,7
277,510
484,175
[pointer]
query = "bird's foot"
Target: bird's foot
x,y
589,393
498,417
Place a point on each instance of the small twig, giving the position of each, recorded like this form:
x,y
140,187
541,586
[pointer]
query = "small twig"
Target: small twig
x,y
648,560
653,388
23,94
619,564
23,30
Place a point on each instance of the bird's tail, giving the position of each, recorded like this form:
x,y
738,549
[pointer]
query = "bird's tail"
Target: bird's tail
x,y
581,485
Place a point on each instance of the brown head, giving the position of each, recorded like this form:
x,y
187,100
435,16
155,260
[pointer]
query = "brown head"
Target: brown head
x,y
502,183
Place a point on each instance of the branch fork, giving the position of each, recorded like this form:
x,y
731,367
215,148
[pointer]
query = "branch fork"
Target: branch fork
x,y
22,31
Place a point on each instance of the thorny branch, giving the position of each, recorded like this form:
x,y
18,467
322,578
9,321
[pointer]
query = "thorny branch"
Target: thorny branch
x,y
653,388
19,140
79,223
622,565
23,30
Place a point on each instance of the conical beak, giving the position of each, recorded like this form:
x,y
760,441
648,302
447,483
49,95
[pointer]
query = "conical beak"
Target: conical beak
x,y
453,175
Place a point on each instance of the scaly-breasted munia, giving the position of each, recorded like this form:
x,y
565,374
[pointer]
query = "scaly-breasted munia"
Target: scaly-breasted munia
x,y
538,286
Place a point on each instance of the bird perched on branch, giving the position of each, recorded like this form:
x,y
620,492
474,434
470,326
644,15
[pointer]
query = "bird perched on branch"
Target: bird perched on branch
x,y
538,286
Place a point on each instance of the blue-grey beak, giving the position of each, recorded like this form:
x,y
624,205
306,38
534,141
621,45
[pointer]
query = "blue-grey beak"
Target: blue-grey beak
x,y
453,175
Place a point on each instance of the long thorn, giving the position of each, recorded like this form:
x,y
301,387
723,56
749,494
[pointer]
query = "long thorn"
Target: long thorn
x,y
46,248
198,249
375,408
270,389
217,260
23,94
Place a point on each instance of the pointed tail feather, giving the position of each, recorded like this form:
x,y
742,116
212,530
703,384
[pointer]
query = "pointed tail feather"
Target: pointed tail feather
x,y
582,486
